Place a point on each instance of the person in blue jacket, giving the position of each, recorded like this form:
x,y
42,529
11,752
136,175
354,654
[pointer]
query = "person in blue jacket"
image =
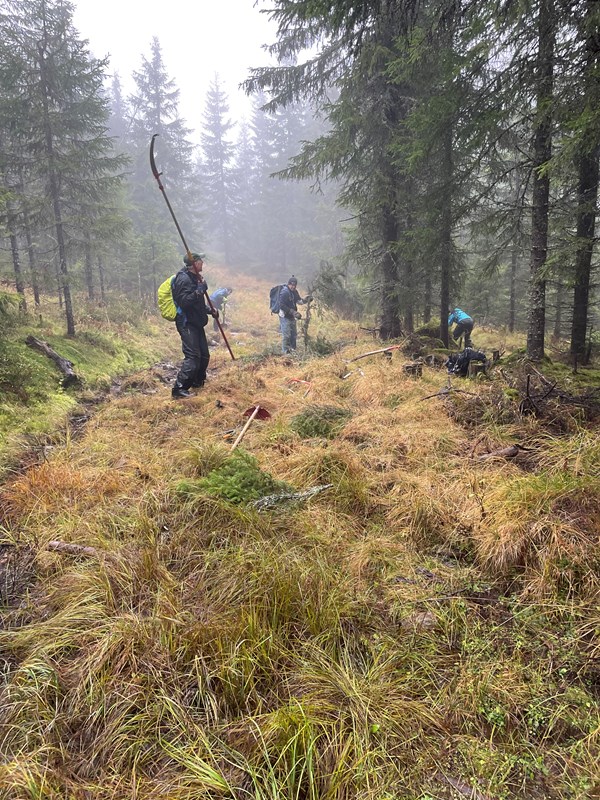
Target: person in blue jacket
x,y
464,325
219,300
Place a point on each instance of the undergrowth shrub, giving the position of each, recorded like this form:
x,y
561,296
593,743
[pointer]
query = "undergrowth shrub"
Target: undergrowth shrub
x,y
321,346
323,421
15,370
335,291
239,479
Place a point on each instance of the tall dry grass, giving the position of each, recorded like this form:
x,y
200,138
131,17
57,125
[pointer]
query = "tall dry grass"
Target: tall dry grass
x,y
428,622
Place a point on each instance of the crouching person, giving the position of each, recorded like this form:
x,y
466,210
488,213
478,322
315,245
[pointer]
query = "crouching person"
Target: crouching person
x,y
464,326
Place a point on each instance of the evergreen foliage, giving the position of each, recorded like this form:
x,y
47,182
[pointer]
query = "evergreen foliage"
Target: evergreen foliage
x,y
238,479
217,169
59,162
323,421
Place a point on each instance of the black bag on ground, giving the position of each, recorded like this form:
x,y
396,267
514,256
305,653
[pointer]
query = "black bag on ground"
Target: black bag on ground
x,y
458,363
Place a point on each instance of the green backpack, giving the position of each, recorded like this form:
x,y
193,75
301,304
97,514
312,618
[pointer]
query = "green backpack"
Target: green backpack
x,y
166,304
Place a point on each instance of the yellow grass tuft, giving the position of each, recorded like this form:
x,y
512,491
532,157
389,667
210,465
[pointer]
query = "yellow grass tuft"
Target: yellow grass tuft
x,y
426,623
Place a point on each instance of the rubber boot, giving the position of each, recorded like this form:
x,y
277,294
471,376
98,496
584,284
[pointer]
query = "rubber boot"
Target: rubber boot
x,y
179,391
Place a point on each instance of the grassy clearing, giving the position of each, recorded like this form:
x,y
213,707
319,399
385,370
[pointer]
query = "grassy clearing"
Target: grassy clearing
x,y
111,342
425,628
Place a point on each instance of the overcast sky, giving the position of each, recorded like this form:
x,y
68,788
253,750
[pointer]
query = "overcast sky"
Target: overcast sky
x,y
197,39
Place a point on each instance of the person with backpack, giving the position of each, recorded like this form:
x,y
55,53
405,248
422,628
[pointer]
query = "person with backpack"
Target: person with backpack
x,y
189,288
219,301
464,324
288,302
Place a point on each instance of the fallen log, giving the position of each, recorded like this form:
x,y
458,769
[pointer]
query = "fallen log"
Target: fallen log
x,y
374,352
445,391
72,549
272,500
464,789
65,366
505,452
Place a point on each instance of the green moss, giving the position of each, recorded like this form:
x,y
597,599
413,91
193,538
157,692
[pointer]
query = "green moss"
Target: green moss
x,y
430,329
323,421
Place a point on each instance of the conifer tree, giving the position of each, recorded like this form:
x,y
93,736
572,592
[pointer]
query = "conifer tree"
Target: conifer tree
x,y
218,173
542,151
154,108
245,241
587,155
69,153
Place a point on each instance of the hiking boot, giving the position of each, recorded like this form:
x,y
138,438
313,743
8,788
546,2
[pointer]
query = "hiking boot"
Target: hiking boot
x,y
179,391
197,385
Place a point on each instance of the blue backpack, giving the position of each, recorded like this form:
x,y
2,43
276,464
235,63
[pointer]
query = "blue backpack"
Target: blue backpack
x,y
274,298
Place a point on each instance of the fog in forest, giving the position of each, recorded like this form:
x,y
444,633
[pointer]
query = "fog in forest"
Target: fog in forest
x,y
401,167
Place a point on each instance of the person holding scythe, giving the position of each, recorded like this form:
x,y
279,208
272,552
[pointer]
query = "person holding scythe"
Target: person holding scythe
x,y
189,290
190,295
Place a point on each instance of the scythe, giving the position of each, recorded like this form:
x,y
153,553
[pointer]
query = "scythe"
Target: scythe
x,y
157,175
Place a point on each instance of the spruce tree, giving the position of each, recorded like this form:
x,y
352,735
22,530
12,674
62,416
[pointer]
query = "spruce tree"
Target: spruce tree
x,y
218,173
154,108
68,151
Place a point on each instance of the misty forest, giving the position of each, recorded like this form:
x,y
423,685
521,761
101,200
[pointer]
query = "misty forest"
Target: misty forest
x,y
367,566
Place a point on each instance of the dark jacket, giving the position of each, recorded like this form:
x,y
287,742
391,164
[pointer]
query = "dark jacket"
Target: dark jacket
x,y
288,301
188,294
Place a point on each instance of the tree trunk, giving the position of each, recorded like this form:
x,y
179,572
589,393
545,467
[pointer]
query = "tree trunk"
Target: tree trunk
x,y
409,281
101,278
154,282
30,249
516,245
14,248
32,261
587,194
446,231
390,320
513,288
558,310
542,151
89,278
427,301
55,196
409,321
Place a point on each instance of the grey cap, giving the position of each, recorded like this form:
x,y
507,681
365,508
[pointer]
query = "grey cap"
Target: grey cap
x,y
188,260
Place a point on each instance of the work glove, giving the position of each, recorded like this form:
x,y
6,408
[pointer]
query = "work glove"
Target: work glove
x,y
308,298
214,312
297,315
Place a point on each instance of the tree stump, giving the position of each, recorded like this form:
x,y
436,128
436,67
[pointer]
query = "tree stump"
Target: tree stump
x,y
415,369
476,369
